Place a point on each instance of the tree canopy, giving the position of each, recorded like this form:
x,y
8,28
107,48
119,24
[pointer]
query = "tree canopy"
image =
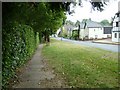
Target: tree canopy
x,y
43,17
22,25
105,22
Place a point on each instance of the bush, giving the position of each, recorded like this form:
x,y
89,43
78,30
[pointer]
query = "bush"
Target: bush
x,y
74,35
65,35
19,43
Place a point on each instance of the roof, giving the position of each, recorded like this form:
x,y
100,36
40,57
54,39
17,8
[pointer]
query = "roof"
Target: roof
x,y
90,24
93,24
108,26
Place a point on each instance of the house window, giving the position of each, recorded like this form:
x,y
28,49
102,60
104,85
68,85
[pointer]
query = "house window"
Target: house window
x,y
116,24
115,35
94,29
96,36
119,35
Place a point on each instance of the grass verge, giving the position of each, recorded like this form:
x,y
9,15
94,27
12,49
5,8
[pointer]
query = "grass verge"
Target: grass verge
x,y
83,67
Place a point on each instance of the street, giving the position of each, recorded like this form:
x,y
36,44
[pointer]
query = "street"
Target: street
x,y
109,47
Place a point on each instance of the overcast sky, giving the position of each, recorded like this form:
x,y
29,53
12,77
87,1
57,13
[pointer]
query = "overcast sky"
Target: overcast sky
x,y
85,12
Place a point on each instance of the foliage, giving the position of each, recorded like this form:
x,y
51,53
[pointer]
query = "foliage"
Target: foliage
x,y
98,5
83,67
68,22
19,43
21,24
75,34
42,17
77,23
64,33
105,22
39,15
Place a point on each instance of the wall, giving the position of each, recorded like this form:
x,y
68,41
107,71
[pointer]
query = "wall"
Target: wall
x,y
115,39
116,29
95,31
107,35
82,34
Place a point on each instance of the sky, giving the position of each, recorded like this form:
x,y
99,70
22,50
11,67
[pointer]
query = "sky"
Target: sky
x,y
86,12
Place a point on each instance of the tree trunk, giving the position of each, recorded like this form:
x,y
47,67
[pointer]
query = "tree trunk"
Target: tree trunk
x,y
79,32
47,39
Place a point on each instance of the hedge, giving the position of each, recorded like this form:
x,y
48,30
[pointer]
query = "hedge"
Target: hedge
x,y
18,44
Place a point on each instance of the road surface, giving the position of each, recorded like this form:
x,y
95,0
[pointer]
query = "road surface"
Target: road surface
x,y
109,47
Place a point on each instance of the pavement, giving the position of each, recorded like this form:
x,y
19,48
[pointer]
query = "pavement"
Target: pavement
x,y
108,47
106,41
38,74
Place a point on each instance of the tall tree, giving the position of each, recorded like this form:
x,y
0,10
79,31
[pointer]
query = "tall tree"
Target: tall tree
x,y
43,17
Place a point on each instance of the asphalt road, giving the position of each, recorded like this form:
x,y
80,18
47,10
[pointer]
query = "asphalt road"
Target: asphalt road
x,y
109,47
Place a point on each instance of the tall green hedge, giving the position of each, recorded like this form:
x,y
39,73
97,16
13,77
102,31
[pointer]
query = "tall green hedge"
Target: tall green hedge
x,y
18,44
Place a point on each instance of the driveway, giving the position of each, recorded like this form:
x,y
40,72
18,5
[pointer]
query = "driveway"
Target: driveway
x,y
113,48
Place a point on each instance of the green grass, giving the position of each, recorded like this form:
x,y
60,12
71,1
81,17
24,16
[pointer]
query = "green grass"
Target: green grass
x,y
84,67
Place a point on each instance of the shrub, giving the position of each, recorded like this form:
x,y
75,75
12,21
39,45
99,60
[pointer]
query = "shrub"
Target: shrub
x,y
18,44
75,35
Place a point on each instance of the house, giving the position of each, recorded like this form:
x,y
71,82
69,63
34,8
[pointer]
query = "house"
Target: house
x,y
89,30
68,28
116,28
94,30
107,31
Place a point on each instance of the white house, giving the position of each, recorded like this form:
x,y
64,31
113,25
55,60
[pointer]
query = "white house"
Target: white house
x,y
116,28
89,30
94,30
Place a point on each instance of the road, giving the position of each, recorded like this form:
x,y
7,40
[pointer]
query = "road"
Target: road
x,y
109,47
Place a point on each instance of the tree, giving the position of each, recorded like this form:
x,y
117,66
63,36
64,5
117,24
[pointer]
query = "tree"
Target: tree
x,y
68,22
77,23
42,17
39,15
105,22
